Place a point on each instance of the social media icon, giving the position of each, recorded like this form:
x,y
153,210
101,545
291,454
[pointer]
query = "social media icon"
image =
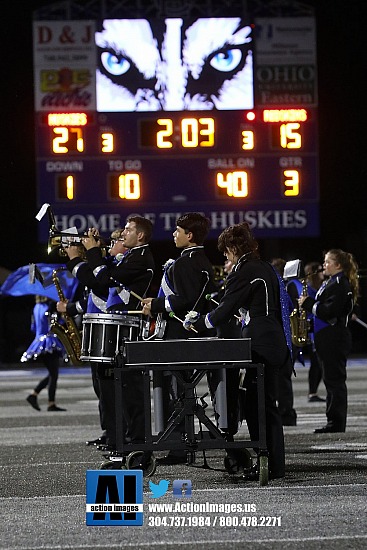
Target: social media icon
x,y
158,489
182,488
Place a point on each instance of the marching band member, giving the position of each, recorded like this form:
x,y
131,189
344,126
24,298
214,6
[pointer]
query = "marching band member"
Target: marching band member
x,y
46,347
184,284
285,391
315,278
254,287
133,272
332,306
95,302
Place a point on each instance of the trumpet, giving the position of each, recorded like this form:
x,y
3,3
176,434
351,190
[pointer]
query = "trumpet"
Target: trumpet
x,y
63,239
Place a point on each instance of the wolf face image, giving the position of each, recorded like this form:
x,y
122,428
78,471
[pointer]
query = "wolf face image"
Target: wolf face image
x,y
174,65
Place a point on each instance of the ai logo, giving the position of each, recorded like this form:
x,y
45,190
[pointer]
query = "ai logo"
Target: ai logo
x,y
114,497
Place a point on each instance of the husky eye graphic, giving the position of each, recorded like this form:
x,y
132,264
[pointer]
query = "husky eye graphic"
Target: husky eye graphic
x,y
174,65
115,64
226,60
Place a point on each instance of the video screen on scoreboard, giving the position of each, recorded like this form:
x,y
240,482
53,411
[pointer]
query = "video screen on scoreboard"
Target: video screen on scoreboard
x,y
174,64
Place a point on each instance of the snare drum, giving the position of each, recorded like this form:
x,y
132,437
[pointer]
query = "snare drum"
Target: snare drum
x,y
103,334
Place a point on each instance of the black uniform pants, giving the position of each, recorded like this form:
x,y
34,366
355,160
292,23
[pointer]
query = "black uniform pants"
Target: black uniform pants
x,y
132,404
97,390
52,363
274,425
314,373
333,344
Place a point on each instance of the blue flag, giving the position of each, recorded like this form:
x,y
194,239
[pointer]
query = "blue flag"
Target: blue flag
x,y
19,283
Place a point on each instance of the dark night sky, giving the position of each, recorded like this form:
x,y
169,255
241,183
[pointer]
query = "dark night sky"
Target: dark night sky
x,y
341,33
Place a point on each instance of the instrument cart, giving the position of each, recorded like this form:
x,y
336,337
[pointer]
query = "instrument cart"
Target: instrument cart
x,y
188,361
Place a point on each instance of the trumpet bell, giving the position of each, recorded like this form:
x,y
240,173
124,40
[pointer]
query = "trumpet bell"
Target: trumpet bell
x,y
54,242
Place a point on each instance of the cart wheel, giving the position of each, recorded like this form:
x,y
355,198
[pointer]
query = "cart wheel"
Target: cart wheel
x,y
263,470
140,460
112,465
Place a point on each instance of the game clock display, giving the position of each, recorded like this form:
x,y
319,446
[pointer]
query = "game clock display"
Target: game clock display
x,y
187,136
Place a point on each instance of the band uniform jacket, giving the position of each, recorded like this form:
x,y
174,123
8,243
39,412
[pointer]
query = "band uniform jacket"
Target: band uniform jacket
x,y
134,272
253,286
190,277
332,304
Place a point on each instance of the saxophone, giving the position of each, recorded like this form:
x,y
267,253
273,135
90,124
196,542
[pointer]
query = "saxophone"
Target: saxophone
x,y
69,335
300,325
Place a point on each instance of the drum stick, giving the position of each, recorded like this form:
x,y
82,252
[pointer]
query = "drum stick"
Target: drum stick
x,y
135,295
360,322
181,321
132,312
209,297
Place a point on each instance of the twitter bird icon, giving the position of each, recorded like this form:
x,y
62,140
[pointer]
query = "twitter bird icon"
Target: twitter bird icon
x,y
159,489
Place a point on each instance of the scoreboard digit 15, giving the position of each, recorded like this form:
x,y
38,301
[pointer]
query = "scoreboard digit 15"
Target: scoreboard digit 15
x,y
162,117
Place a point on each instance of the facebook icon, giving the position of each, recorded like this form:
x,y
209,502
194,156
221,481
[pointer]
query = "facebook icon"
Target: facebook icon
x,y
182,488
114,497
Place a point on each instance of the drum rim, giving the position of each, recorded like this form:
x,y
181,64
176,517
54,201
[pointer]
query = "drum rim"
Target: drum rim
x,y
113,318
96,359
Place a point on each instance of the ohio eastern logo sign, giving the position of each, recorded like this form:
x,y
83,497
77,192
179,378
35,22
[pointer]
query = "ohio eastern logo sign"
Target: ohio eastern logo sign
x,y
114,497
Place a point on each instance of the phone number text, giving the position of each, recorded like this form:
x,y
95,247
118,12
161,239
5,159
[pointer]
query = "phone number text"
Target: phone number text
x,y
211,521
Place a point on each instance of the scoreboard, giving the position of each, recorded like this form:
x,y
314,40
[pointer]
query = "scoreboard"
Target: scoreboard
x,y
166,116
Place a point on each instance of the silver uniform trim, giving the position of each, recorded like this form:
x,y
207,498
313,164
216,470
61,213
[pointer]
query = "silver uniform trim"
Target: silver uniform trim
x,y
79,307
266,293
99,302
166,289
189,250
143,248
123,294
207,321
351,309
76,268
98,269
167,305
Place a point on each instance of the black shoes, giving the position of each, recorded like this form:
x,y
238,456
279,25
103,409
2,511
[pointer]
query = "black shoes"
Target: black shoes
x,y
106,448
55,408
116,456
99,441
32,400
328,429
316,399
